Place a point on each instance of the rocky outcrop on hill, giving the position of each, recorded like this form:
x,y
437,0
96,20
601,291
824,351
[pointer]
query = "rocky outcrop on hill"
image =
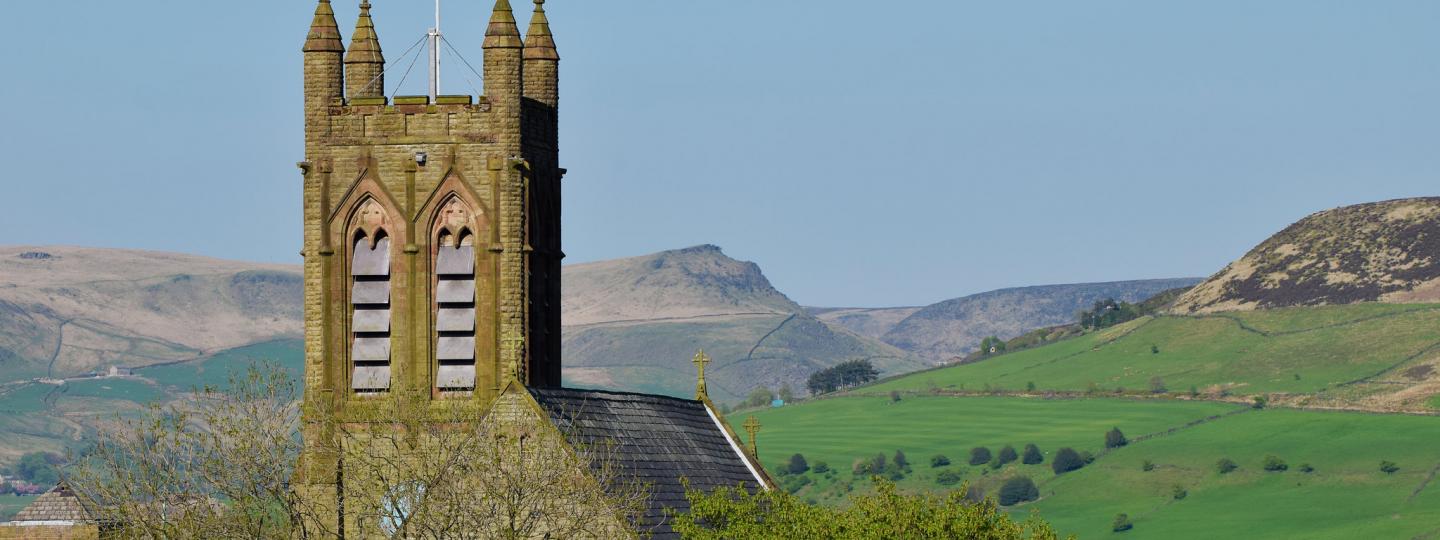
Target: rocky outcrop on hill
x,y
1378,252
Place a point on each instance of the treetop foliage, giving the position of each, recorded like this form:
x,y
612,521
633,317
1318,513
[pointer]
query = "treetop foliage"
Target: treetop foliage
x,y
842,375
738,514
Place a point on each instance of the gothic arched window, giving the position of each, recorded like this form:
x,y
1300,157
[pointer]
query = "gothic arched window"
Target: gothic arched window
x,y
455,299
370,302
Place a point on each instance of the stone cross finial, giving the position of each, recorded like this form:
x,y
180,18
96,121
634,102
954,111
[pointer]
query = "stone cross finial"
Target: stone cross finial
x,y
752,426
701,359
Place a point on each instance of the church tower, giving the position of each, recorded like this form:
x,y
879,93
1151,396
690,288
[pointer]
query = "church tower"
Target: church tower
x,y
431,229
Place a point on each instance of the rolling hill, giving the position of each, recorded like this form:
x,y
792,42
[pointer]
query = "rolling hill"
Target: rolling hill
x,y
635,323
1377,252
953,328
1331,324
65,311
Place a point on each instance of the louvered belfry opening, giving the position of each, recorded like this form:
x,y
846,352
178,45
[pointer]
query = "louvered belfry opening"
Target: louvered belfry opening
x,y
370,320
455,312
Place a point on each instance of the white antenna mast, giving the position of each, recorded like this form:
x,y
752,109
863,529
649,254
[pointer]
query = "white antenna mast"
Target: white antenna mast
x,y
435,56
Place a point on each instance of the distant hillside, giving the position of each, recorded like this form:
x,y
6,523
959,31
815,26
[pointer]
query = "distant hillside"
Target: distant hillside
x,y
869,322
635,324
1386,252
65,311
955,327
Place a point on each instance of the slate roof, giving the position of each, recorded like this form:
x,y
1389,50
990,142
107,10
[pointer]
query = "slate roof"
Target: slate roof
x,y
58,504
659,440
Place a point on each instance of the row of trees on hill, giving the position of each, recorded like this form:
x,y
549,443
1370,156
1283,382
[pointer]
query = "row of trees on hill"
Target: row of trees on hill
x,y
842,375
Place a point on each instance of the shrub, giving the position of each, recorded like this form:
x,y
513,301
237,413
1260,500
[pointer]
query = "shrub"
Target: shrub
x,y
759,397
1017,490
1032,455
1030,386
797,465
1122,523
1275,464
900,461
948,478
1066,460
894,396
1007,455
939,461
1226,466
1115,439
1154,349
821,467
1306,468
861,467
1260,402
1147,466
877,464
1178,493
979,455
1087,456
1389,467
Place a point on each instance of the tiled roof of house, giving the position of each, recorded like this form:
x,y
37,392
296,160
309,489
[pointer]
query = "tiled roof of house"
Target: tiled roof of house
x,y
658,440
57,505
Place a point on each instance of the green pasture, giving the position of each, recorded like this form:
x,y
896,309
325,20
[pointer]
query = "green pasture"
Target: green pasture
x,y
1347,496
1296,350
841,430
216,370
13,504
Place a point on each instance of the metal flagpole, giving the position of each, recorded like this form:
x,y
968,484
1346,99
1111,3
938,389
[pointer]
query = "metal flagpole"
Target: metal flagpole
x,y
435,56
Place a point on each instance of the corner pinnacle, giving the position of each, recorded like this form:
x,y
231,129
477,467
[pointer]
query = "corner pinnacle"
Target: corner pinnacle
x,y
365,43
539,43
324,33
503,32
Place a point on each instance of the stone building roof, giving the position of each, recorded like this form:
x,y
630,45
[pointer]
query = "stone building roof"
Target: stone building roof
x,y
657,440
59,505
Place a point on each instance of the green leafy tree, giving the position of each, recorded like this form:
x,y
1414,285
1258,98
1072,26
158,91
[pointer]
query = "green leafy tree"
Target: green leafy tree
x,y
992,346
1273,463
738,514
39,468
1007,455
948,478
1115,439
900,461
1032,455
1066,460
979,455
939,461
759,397
842,375
1260,402
1122,523
786,393
797,465
1017,490
1226,466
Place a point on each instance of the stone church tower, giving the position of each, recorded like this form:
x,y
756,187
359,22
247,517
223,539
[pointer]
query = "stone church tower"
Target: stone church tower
x,y
431,228
432,273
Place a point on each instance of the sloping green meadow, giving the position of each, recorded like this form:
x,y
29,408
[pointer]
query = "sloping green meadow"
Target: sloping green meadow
x,y
1296,350
1347,496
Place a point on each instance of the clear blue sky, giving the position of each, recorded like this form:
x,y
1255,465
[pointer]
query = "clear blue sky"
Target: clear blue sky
x,y
861,156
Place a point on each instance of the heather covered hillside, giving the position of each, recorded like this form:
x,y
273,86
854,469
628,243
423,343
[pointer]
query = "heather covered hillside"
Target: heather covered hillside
x,y
1378,252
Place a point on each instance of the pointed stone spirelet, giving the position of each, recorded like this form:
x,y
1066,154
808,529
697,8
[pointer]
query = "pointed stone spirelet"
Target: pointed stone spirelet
x,y
539,43
365,43
324,33
503,32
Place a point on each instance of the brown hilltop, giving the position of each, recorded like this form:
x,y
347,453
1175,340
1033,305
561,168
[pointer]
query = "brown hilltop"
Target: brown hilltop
x,y
1377,252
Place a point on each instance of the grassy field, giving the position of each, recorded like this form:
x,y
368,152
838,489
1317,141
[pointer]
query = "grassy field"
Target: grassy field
x,y
1297,350
1347,496
216,370
11,504
839,431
